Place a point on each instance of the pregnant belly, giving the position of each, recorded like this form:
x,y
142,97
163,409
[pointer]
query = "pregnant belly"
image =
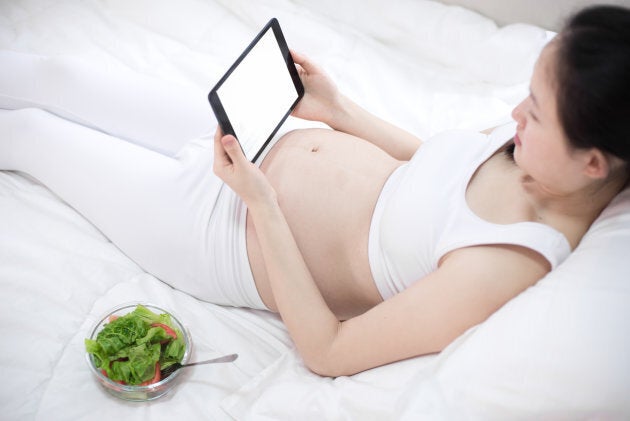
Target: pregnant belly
x,y
328,184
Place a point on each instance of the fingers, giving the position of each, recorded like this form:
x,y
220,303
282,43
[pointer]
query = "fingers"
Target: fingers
x,y
220,155
297,57
227,150
304,62
233,150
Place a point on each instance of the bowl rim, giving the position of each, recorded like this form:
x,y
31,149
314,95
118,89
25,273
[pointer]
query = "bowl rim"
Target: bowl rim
x,y
137,388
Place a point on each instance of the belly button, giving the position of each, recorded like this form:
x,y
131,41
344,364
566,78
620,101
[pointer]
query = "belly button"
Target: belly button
x,y
315,149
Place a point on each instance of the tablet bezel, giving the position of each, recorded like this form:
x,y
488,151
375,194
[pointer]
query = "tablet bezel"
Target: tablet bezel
x,y
215,102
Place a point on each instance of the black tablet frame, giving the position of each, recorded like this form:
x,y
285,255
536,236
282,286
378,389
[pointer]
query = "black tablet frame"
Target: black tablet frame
x,y
215,102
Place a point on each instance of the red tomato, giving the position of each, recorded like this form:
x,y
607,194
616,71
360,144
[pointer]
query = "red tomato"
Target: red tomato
x,y
170,332
156,377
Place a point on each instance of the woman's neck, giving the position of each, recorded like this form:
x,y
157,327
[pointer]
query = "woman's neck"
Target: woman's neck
x,y
573,213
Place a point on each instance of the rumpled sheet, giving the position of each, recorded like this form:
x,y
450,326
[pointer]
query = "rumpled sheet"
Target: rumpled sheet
x,y
422,65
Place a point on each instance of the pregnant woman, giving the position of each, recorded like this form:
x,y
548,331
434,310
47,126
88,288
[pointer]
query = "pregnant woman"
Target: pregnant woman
x,y
372,245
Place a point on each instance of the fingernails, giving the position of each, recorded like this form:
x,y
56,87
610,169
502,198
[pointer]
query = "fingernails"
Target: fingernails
x,y
228,140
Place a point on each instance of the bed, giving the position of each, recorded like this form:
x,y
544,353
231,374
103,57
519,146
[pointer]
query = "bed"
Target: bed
x,y
560,350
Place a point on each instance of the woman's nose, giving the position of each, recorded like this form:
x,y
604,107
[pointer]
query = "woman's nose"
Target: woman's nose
x,y
517,113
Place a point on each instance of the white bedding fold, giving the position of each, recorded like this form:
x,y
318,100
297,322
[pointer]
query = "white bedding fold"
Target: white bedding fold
x,y
419,64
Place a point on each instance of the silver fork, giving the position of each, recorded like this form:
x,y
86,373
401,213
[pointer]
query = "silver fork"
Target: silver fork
x,y
173,368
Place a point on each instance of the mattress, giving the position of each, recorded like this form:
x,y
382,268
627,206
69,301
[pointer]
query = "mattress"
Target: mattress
x,y
558,350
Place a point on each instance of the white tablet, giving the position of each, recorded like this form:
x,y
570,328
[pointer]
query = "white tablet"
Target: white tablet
x,y
258,92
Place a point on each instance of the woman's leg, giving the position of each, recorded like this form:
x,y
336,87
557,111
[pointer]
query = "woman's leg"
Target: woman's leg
x,y
173,217
167,213
153,207
155,114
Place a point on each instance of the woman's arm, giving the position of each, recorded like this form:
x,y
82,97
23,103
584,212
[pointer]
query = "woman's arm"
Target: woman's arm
x,y
311,323
470,284
323,102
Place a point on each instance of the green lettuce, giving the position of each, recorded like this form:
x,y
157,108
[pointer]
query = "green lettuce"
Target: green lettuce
x,y
128,348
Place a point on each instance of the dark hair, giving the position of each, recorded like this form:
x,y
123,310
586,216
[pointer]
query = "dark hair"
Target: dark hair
x,y
593,79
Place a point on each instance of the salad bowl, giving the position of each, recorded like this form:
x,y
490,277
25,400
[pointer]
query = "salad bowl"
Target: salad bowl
x,y
143,392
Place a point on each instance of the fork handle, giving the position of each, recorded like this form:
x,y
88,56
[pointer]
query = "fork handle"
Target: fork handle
x,y
224,359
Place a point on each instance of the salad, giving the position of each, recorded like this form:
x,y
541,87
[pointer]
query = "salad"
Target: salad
x,y
132,349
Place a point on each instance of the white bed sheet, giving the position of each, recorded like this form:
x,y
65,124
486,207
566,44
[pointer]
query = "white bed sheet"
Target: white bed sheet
x,y
422,65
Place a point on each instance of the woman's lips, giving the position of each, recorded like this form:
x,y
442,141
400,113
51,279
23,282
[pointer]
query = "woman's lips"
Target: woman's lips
x,y
517,140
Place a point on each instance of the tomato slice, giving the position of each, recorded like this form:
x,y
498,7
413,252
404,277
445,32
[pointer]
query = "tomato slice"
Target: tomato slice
x,y
156,377
170,332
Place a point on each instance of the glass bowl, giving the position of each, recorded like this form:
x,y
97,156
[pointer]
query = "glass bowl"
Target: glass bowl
x,y
138,393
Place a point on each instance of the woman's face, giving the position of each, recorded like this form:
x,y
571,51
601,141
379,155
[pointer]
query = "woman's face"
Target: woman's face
x,y
542,150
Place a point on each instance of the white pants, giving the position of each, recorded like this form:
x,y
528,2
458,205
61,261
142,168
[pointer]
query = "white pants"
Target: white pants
x,y
115,146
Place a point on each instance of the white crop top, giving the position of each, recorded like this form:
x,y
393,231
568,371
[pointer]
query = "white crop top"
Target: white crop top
x,y
422,213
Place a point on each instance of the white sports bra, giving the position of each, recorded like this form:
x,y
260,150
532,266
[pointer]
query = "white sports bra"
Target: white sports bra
x,y
422,213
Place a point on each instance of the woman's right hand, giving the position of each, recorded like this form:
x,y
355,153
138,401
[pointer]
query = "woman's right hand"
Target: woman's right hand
x,y
321,97
245,178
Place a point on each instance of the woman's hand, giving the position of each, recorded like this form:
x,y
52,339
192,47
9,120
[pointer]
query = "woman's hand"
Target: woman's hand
x,y
245,178
321,96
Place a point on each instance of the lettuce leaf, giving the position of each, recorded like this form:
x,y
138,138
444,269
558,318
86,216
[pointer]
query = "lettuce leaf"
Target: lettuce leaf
x,y
173,352
139,365
128,347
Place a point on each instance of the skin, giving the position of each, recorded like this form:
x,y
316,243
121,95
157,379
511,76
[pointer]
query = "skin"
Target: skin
x,y
311,202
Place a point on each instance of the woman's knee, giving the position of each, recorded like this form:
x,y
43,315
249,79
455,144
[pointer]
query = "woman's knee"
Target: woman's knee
x,y
14,123
25,122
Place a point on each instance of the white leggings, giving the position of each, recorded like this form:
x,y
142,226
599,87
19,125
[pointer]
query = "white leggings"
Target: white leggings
x,y
134,156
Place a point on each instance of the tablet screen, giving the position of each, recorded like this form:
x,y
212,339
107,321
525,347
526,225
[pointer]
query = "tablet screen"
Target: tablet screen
x,y
258,92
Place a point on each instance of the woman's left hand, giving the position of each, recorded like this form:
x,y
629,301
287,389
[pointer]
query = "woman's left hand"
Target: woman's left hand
x,y
322,100
245,178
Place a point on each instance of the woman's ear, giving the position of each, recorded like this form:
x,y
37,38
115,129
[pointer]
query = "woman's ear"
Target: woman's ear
x,y
599,164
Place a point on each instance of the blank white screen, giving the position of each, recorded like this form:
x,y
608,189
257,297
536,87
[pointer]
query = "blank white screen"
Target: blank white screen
x,y
258,94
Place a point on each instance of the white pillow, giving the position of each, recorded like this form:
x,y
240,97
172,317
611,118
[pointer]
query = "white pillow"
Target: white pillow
x,y
563,346
449,35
